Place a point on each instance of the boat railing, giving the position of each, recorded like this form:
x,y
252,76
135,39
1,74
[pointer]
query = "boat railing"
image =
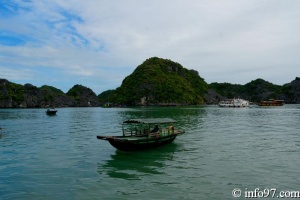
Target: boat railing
x,y
166,131
163,132
140,132
135,132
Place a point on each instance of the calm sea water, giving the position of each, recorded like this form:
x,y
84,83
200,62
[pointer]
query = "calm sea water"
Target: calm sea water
x,y
59,157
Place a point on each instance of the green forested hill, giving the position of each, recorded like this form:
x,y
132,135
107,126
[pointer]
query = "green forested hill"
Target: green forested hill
x,y
259,90
83,96
11,94
255,91
157,81
160,81
14,95
226,89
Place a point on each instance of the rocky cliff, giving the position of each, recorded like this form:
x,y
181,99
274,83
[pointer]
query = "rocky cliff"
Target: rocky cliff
x,y
83,96
160,81
290,92
156,81
14,95
259,90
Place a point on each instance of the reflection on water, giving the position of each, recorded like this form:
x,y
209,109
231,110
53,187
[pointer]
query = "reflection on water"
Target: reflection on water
x,y
188,117
135,165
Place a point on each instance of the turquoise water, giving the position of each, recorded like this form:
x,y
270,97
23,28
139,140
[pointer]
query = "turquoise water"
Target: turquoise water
x,y
59,157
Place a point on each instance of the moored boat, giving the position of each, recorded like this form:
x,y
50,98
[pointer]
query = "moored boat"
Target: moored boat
x,y
1,132
137,134
272,102
234,103
51,111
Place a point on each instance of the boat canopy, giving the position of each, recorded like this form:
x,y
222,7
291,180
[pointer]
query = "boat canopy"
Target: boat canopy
x,y
150,121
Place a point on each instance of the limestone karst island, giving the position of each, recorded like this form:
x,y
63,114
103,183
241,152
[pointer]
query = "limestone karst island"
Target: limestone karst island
x,y
156,82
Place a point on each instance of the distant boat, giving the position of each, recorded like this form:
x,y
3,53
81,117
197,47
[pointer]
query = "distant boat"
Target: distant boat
x,y
51,111
107,105
137,135
234,103
272,102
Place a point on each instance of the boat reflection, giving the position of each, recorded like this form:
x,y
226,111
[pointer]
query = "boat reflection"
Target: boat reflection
x,y
187,117
135,165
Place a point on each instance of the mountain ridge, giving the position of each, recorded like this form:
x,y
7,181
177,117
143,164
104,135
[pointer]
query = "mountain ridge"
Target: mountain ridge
x,y
156,81
161,81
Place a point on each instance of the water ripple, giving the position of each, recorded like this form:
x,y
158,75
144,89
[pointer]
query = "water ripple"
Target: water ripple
x,y
59,157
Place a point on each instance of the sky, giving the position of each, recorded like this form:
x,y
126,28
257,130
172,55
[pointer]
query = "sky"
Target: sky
x,y
97,43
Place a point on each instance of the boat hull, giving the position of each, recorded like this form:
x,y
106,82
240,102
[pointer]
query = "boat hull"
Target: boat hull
x,y
271,103
234,103
51,112
144,133
127,144
232,106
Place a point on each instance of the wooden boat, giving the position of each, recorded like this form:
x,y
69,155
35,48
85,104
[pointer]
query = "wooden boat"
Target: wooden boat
x,y
234,103
137,134
272,102
51,111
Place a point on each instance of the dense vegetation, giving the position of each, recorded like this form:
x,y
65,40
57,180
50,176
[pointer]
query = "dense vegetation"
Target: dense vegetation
x,y
11,92
50,92
155,82
83,96
159,81
259,90
29,96
226,89
290,92
106,96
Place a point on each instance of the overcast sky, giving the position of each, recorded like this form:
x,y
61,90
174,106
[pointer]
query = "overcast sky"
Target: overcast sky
x,y
97,43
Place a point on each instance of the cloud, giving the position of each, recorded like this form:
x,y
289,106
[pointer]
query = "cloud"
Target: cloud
x,y
226,41
16,74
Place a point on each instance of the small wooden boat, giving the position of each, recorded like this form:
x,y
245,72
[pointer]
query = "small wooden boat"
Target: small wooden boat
x,y
137,134
272,102
51,111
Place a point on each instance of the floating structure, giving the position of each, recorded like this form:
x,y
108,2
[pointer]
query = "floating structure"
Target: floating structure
x,y
272,102
51,111
1,132
234,103
147,133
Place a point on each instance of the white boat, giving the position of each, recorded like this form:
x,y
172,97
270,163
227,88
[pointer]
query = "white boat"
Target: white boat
x,y
239,103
